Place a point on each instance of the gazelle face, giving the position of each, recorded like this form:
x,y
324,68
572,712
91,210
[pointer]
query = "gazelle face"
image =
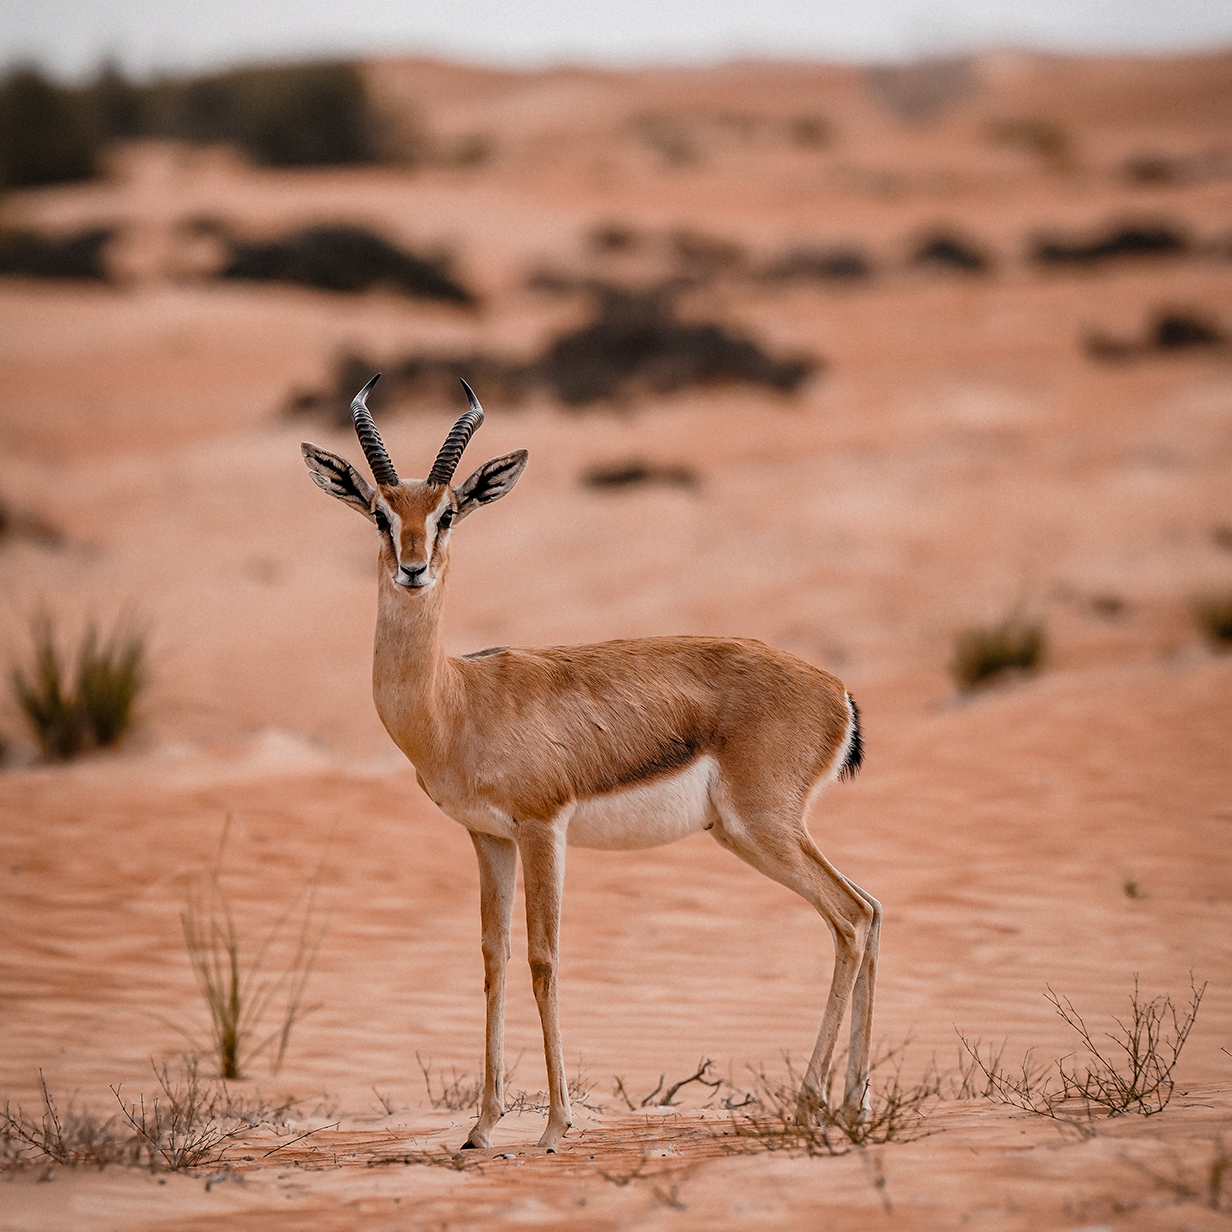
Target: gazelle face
x,y
414,520
413,516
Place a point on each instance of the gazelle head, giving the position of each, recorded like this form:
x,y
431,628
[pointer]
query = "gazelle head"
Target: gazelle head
x,y
413,516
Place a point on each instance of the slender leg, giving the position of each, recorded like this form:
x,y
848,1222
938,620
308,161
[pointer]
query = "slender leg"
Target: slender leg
x,y
498,869
542,846
780,847
856,1099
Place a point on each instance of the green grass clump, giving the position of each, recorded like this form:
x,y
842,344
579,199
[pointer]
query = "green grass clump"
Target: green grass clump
x,y
982,655
1214,618
97,710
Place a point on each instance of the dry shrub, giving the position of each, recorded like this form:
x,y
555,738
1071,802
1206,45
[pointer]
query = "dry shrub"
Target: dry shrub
x,y
1131,1069
240,995
458,1093
896,1114
983,655
187,1124
462,1092
1214,617
97,711
659,1098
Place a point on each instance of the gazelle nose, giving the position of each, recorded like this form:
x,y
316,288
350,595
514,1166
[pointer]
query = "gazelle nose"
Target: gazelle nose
x,y
413,573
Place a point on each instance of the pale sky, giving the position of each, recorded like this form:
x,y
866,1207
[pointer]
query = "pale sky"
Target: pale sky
x,y
71,37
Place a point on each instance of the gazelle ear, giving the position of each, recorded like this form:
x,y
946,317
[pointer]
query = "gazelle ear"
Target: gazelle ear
x,y
339,478
491,481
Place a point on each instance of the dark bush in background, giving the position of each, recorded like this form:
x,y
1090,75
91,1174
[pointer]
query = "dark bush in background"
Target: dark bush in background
x,y
1213,615
1169,330
818,265
637,472
987,654
301,115
1116,244
47,133
343,258
635,344
949,253
290,116
29,254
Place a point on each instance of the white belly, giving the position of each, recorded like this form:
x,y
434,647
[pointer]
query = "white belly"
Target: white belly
x,y
649,815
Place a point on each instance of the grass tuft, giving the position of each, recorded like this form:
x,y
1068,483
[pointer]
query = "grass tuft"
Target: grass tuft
x,y
97,710
239,993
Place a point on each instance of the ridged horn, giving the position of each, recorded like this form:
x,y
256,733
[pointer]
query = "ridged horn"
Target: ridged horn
x,y
370,439
451,451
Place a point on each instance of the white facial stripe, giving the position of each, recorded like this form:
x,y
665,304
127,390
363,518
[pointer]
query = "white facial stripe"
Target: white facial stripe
x,y
432,522
395,526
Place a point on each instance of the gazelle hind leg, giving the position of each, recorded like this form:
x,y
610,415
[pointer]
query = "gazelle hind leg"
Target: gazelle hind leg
x,y
498,871
856,1096
781,847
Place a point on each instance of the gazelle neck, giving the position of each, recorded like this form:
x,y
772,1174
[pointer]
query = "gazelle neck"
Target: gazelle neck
x,y
413,683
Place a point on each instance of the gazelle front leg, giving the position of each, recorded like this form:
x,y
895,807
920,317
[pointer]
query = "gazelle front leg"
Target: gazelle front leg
x,y
498,873
542,846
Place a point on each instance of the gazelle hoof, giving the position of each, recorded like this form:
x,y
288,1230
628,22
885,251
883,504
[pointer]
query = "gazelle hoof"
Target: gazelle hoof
x,y
468,1145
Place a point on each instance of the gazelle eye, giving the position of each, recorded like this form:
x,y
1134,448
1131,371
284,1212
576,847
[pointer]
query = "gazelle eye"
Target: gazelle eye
x,y
445,520
382,522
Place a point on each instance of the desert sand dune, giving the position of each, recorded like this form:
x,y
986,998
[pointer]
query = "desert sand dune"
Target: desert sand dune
x,y
958,456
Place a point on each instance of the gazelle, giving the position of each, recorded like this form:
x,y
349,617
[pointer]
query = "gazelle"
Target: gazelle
x,y
619,745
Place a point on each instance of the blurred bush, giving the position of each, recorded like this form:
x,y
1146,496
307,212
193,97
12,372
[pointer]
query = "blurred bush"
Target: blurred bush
x,y
984,655
48,134
1046,139
634,345
818,265
637,344
95,713
1169,330
287,116
1133,240
343,258
637,472
950,253
30,254
298,115
1214,617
